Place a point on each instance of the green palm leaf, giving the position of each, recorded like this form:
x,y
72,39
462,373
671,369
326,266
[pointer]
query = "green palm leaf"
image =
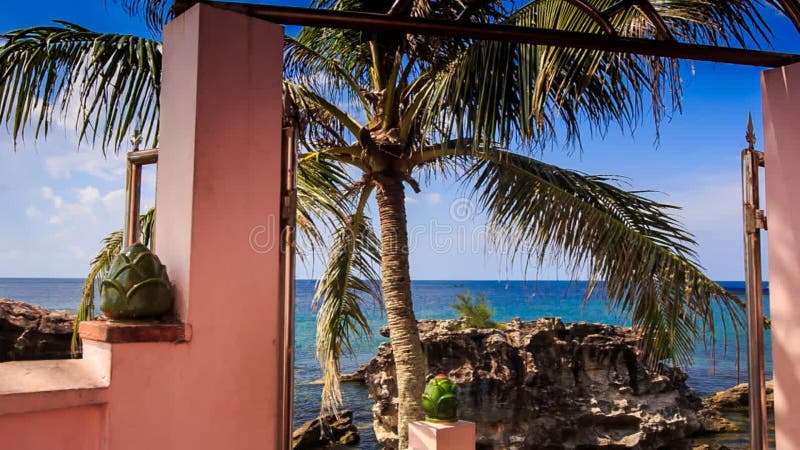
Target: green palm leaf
x,y
306,66
324,113
501,93
321,201
631,243
156,13
348,280
109,82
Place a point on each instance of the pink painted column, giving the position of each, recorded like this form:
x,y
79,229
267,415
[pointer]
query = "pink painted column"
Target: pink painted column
x,y
781,101
214,381
424,435
219,178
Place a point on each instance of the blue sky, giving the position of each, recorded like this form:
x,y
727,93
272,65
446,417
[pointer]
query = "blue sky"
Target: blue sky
x,y
58,199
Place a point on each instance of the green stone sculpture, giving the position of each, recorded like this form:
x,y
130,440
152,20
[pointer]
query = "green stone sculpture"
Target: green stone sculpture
x,y
439,400
136,286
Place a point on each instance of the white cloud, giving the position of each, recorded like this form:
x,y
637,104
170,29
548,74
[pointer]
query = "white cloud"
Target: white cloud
x,y
10,254
88,195
89,163
33,212
48,194
411,200
712,211
78,252
114,201
433,198
84,209
711,203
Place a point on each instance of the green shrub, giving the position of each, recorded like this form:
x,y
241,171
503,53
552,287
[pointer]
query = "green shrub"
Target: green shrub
x,y
476,313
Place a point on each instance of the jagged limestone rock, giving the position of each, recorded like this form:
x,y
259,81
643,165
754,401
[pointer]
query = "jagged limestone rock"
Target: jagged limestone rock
x,y
325,431
711,421
547,385
30,332
736,398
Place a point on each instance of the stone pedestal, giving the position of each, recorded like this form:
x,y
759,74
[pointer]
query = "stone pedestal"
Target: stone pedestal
x,y
441,436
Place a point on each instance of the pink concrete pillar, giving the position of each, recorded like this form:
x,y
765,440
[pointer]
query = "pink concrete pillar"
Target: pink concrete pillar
x,y
781,101
219,179
425,435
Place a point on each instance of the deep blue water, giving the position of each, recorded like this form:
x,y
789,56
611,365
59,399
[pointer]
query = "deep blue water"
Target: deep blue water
x,y
432,299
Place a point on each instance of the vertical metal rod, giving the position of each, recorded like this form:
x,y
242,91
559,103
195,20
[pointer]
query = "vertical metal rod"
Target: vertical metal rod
x,y
287,236
753,223
133,193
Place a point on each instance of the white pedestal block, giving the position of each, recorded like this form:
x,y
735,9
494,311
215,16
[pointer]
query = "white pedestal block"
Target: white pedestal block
x,y
441,436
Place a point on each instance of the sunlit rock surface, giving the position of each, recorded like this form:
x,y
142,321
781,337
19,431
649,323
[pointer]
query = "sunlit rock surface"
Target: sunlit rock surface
x,y
548,385
737,398
326,431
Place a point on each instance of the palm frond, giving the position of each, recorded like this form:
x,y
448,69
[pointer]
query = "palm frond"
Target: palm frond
x,y
323,117
348,280
112,245
641,254
99,265
156,13
107,84
305,66
789,8
349,48
321,201
502,93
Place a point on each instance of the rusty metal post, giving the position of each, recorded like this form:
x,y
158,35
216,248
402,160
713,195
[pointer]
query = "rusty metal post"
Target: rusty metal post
x,y
133,189
754,222
133,194
288,244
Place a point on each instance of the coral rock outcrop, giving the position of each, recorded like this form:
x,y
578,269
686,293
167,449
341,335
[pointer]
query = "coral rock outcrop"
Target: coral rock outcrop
x,y
30,332
547,385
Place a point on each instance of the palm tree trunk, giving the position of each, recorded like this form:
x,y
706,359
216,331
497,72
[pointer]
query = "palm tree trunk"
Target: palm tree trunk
x,y
410,362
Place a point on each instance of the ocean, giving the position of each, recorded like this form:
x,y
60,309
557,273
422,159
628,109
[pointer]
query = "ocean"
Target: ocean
x,y
528,300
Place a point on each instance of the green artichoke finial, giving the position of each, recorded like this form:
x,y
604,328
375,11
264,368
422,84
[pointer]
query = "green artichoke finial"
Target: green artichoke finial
x,y
136,286
439,400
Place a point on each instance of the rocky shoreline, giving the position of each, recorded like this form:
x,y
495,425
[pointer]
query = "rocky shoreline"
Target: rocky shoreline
x,y
30,332
546,384
540,384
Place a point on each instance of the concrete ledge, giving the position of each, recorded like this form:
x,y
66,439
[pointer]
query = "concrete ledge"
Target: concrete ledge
x,y
128,332
27,386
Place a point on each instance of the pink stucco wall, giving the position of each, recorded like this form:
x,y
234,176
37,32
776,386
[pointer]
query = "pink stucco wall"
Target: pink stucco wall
x,y
73,428
219,179
219,175
781,99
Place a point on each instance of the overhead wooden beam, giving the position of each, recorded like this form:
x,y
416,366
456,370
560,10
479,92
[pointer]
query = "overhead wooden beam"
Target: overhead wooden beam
x,y
504,33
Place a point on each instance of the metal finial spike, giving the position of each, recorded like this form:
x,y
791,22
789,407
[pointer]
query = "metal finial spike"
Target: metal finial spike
x,y
751,135
136,139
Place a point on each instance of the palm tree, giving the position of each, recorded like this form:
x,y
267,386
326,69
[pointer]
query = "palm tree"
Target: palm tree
x,y
398,109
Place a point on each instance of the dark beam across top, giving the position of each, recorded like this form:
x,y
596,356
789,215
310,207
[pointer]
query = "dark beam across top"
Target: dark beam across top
x,y
372,22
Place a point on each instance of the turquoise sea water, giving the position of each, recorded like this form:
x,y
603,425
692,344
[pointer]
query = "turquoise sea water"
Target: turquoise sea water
x,y
432,299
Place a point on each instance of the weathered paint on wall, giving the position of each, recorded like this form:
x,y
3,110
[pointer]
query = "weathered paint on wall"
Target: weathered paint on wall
x,y
781,101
